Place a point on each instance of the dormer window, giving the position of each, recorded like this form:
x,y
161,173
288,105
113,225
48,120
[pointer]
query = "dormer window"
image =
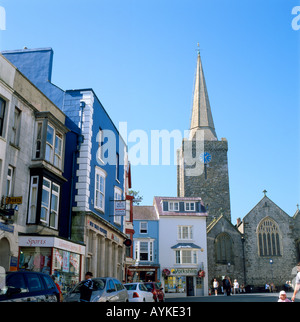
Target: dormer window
x,y
173,206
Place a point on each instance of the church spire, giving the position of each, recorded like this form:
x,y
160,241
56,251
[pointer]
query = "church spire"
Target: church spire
x,y
201,112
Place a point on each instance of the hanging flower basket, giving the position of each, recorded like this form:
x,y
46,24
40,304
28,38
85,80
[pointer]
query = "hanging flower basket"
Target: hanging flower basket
x,y
166,272
201,273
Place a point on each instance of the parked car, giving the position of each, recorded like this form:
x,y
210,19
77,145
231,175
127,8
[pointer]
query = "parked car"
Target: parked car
x,y
27,286
157,291
106,289
138,292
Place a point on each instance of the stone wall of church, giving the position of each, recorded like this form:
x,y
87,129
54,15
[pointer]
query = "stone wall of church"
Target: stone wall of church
x,y
259,270
233,266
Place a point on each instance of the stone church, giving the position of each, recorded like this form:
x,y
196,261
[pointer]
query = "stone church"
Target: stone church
x,y
262,247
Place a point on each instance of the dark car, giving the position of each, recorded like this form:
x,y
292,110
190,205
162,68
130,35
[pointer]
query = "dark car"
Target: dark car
x,y
156,290
26,286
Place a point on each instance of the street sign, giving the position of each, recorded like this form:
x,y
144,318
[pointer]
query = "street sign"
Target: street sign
x,y
120,208
13,200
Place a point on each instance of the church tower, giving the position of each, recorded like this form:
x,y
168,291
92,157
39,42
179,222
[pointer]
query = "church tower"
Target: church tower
x,y
202,159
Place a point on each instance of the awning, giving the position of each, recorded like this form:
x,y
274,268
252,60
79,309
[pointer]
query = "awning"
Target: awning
x,y
185,245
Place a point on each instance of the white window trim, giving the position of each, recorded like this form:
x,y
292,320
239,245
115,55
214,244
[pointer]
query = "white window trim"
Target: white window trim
x,y
171,206
150,250
49,201
56,212
117,196
180,232
143,222
31,216
194,256
187,206
101,173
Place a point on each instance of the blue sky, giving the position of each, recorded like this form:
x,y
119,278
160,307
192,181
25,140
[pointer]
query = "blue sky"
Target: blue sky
x,y
139,56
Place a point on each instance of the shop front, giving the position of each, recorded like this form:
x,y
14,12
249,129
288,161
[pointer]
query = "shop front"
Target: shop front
x,y
142,274
53,256
183,282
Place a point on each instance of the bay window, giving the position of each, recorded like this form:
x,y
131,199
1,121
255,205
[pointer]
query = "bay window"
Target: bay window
x,y
49,143
144,250
43,202
184,256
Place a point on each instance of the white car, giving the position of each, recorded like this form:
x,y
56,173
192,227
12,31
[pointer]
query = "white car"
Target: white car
x,y
138,292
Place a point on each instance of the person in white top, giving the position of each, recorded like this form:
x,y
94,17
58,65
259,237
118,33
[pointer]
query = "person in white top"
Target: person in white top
x,y
297,282
215,286
235,287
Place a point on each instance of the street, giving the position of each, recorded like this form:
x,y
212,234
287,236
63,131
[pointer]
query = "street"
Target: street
x,y
248,297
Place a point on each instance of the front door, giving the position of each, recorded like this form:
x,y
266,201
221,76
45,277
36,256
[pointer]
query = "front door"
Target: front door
x,y
190,286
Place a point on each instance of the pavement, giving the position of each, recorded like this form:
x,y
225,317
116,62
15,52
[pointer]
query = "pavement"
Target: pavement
x,y
246,297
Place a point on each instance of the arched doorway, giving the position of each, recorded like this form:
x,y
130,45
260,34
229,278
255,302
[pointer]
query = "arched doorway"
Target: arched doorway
x,y
4,253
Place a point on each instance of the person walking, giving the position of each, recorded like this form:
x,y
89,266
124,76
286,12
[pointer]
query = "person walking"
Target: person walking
x,y
86,288
297,282
235,287
215,286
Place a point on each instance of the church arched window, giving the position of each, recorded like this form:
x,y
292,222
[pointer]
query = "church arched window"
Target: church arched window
x,y
223,249
268,237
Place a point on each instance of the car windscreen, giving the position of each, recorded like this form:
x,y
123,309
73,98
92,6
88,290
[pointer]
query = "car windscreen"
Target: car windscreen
x,y
130,287
99,285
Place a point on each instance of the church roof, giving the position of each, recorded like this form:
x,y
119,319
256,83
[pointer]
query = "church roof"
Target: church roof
x,y
201,118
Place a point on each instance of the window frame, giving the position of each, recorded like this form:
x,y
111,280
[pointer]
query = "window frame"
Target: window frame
x,y
2,116
181,233
187,206
117,196
146,229
150,250
171,205
102,174
181,256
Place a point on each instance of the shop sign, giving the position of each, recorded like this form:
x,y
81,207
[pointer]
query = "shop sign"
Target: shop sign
x,y
120,208
97,227
184,271
43,241
13,200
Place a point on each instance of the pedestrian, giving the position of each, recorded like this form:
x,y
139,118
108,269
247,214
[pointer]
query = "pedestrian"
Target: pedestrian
x,y
229,286
283,298
297,282
86,288
235,287
58,287
215,286
267,287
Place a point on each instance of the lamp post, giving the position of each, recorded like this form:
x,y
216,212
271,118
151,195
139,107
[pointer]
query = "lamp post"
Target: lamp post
x,y
271,262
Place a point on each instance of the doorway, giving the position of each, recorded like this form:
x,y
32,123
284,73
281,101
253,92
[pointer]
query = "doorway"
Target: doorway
x,y
190,286
4,253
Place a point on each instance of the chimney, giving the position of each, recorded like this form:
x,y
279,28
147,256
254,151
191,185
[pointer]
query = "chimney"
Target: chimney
x,y
238,221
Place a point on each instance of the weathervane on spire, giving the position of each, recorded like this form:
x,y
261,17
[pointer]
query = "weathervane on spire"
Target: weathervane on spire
x,y
198,48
